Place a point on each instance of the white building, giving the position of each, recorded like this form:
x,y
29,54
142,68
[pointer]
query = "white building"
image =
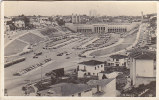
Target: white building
x,y
101,28
117,60
142,67
91,67
19,23
76,19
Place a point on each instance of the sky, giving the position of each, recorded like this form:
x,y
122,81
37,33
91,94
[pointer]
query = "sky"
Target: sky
x,y
50,8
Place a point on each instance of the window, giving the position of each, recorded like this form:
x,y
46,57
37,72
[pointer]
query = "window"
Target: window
x,y
95,68
98,66
101,65
79,94
117,59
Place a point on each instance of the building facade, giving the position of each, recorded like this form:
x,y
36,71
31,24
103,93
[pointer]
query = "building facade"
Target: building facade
x,y
91,67
101,28
142,68
117,60
19,23
76,19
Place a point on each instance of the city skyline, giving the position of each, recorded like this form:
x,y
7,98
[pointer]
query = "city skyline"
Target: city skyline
x,y
50,8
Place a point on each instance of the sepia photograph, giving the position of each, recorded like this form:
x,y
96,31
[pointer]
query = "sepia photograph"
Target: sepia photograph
x,y
79,48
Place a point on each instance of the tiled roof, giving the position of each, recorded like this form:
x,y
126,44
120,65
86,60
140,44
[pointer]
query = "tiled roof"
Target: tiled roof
x,y
142,54
102,82
91,62
118,56
67,89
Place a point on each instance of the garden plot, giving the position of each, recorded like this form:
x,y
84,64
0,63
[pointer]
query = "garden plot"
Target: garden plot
x,y
14,47
31,38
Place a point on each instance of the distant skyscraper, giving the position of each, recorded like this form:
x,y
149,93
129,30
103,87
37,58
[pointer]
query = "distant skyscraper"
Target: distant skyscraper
x,y
142,15
76,18
93,13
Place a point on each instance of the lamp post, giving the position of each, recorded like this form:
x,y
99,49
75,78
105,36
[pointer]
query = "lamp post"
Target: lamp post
x,y
41,73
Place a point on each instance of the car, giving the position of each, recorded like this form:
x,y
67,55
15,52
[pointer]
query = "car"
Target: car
x,y
67,57
60,54
35,56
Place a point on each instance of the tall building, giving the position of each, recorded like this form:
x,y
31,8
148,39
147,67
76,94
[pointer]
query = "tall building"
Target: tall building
x,y
93,13
142,15
76,19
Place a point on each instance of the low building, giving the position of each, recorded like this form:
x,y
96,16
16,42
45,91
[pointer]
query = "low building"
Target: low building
x,y
67,89
104,87
102,27
152,47
91,67
142,67
117,60
19,24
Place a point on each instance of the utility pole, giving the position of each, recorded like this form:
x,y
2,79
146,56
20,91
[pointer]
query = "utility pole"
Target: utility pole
x,y
41,73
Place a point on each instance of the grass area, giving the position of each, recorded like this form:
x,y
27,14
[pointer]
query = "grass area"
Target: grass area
x,y
31,38
15,47
48,31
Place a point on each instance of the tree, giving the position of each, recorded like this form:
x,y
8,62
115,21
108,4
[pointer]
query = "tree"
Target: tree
x,y
60,21
53,78
50,19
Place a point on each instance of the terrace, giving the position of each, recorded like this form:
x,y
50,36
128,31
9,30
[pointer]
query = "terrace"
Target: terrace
x,y
31,38
14,47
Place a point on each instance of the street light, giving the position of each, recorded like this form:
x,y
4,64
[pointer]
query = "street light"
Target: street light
x,y
41,73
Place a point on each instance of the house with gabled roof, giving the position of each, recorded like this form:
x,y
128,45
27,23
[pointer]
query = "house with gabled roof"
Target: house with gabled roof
x,y
117,60
142,66
105,87
91,67
67,89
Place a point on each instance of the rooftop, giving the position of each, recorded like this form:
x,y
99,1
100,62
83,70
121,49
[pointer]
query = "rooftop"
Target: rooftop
x,y
142,54
67,89
91,62
118,56
102,82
